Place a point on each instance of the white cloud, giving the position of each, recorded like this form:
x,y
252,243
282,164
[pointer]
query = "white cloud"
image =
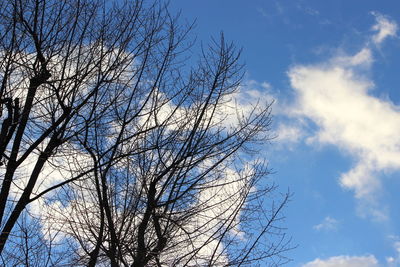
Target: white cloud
x,y
384,28
370,207
327,224
336,96
286,133
363,58
338,101
232,108
217,204
394,261
345,261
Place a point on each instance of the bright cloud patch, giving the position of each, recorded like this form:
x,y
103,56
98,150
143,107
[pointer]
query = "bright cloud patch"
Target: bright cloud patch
x,y
345,261
336,96
337,100
288,133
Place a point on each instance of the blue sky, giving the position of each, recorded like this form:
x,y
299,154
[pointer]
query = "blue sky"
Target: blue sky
x,y
332,69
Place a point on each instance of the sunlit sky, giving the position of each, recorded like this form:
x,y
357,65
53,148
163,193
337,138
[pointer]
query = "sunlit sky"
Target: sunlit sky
x,y
332,68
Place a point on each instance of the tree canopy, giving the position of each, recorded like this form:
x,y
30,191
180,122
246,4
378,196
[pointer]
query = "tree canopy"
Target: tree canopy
x,y
120,146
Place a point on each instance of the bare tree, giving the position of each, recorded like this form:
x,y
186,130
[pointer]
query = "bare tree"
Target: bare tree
x,y
122,148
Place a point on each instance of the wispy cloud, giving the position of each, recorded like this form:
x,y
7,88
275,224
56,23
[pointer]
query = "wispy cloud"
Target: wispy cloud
x,y
286,133
394,261
344,261
328,224
385,27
